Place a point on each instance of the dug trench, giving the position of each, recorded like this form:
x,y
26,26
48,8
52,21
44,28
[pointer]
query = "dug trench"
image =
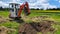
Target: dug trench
x,y
41,25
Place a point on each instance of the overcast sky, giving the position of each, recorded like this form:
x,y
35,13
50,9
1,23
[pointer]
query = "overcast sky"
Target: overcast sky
x,y
34,3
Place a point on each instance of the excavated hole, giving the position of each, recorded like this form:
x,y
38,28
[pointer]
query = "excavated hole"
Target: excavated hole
x,y
39,25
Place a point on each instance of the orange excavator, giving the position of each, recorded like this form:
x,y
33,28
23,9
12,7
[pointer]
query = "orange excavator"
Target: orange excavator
x,y
15,10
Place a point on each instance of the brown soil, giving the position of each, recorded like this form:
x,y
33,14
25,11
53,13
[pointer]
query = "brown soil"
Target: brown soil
x,y
5,30
40,18
38,24
2,19
43,26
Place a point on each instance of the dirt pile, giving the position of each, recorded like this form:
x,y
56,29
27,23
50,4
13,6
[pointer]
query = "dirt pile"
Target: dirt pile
x,y
5,30
40,18
2,19
43,26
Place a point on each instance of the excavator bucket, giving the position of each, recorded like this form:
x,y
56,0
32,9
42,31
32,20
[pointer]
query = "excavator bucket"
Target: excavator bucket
x,y
26,9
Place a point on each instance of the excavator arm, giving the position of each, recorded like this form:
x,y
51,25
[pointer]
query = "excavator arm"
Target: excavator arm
x,y
26,9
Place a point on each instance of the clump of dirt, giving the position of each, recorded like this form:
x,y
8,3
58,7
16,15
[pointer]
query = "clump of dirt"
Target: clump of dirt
x,y
5,30
43,25
2,19
26,28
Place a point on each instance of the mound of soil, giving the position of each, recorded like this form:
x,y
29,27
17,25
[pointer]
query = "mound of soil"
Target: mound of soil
x,y
5,30
2,19
40,18
43,26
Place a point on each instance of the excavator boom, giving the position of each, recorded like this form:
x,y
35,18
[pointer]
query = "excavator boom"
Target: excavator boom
x,y
26,9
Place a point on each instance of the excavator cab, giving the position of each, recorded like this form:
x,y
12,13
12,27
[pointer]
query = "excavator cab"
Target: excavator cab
x,y
14,7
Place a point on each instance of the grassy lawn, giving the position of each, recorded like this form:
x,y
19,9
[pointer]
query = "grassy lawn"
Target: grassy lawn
x,y
52,13
55,14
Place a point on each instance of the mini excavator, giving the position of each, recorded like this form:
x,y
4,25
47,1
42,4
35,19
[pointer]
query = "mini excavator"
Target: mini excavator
x,y
16,10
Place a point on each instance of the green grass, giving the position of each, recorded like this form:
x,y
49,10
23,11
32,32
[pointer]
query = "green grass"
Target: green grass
x,y
12,25
4,13
55,14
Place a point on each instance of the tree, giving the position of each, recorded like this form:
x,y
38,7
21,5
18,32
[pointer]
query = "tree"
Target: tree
x,y
1,8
